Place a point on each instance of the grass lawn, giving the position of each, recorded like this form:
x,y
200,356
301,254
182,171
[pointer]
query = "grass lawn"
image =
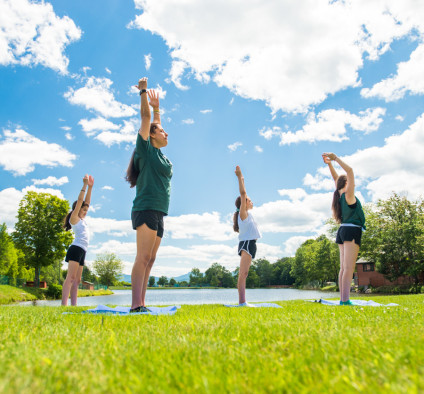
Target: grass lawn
x,y
302,347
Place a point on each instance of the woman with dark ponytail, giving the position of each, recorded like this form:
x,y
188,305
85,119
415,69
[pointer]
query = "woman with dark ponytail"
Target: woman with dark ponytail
x,y
347,210
245,225
150,171
76,253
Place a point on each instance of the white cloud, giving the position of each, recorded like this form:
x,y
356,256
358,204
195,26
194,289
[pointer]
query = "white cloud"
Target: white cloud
x,y
51,181
147,61
409,78
293,243
32,34
160,91
233,147
108,71
187,121
400,118
110,226
97,95
31,151
330,125
127,133
106,187
396,166
94,125
69,136
206,111
208,226
333,37
270,132
258,149
66,128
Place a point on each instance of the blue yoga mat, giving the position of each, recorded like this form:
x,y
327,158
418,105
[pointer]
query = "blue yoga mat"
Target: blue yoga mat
x,y
125,310
354,302
263,305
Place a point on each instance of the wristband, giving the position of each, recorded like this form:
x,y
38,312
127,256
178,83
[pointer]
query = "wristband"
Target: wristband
x,y
142,91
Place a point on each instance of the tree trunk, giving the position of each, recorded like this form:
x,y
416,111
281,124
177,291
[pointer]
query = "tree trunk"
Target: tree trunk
x,y
37,277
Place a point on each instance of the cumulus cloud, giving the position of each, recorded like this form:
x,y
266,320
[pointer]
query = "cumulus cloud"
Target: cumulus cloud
x,y
187,121
32,34
329,125
51,181
206,111
333,37
233,147
127,133
396,166
31,151
98,96
110,226
409,78
293,243
147,61
94,125
258,149
106,187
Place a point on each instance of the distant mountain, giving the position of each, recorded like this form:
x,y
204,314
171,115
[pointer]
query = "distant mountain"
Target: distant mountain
x,y
186,277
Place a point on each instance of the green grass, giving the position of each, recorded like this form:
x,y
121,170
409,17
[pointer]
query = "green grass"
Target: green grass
x,y
302,347
89,293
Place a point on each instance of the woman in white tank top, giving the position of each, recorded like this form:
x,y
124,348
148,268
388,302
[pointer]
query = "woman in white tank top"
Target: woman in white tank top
x,y
76,252
248,231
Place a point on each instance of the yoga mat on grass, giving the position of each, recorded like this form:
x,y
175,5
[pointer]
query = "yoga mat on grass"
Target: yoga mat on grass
x,y
354,302
125,310
263,305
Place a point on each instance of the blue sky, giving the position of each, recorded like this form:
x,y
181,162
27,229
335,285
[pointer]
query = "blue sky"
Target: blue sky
x,y
265,85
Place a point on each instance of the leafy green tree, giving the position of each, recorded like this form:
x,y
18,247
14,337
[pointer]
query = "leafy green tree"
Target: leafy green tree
x,y
394,239
228,280
8,254
88,276
152,281
252,279
264,270
108,267
196,277
163,281
298,270
39,233
172,282
281,272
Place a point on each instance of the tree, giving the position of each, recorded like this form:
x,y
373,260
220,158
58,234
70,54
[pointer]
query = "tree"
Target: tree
x,y
264,270
196,277
394,238
39,233
88,275
163,281
8,254
281,272
152,281
172,282
252,279
108,267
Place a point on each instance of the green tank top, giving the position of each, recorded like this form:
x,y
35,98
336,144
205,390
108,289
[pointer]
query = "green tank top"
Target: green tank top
x,y
352,215
153,187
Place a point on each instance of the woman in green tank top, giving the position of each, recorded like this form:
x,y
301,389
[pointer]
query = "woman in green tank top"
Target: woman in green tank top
x,y
150,171
347,211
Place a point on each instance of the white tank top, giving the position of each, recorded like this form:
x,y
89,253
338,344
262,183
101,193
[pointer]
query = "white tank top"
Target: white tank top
x,y
248,230
82,234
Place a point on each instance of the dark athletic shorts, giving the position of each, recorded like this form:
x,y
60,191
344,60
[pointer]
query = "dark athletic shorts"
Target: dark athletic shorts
x,y
75,253
153,219
348,233
248,246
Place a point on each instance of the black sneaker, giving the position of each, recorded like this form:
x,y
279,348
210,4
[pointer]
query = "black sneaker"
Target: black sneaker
x,y
139,309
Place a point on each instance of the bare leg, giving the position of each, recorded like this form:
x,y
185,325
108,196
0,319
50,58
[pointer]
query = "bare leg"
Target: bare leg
x,y
74,287
71,276
146,238
341,250
245,262
351,250
148,269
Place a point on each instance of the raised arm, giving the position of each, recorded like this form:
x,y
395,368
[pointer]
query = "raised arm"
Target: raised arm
x,y
90,187
333,172
154,102
243,194
74,219
144,109
350,190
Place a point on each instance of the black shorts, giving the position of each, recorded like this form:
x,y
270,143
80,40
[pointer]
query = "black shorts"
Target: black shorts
x,y
75,253
248,246
153,220
349,233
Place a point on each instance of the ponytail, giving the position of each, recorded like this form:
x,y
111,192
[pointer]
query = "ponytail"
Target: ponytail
x,y
133,172
236,214
67,222
336,206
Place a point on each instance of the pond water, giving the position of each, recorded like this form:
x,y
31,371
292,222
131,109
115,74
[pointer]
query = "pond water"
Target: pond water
x,y
195,296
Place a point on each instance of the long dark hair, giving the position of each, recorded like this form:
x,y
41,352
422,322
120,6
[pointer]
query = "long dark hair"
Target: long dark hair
x,y
67,224
336,206
236,214
132,172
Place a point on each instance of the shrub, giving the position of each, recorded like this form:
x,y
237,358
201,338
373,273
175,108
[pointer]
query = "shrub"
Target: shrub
x,y
54,291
